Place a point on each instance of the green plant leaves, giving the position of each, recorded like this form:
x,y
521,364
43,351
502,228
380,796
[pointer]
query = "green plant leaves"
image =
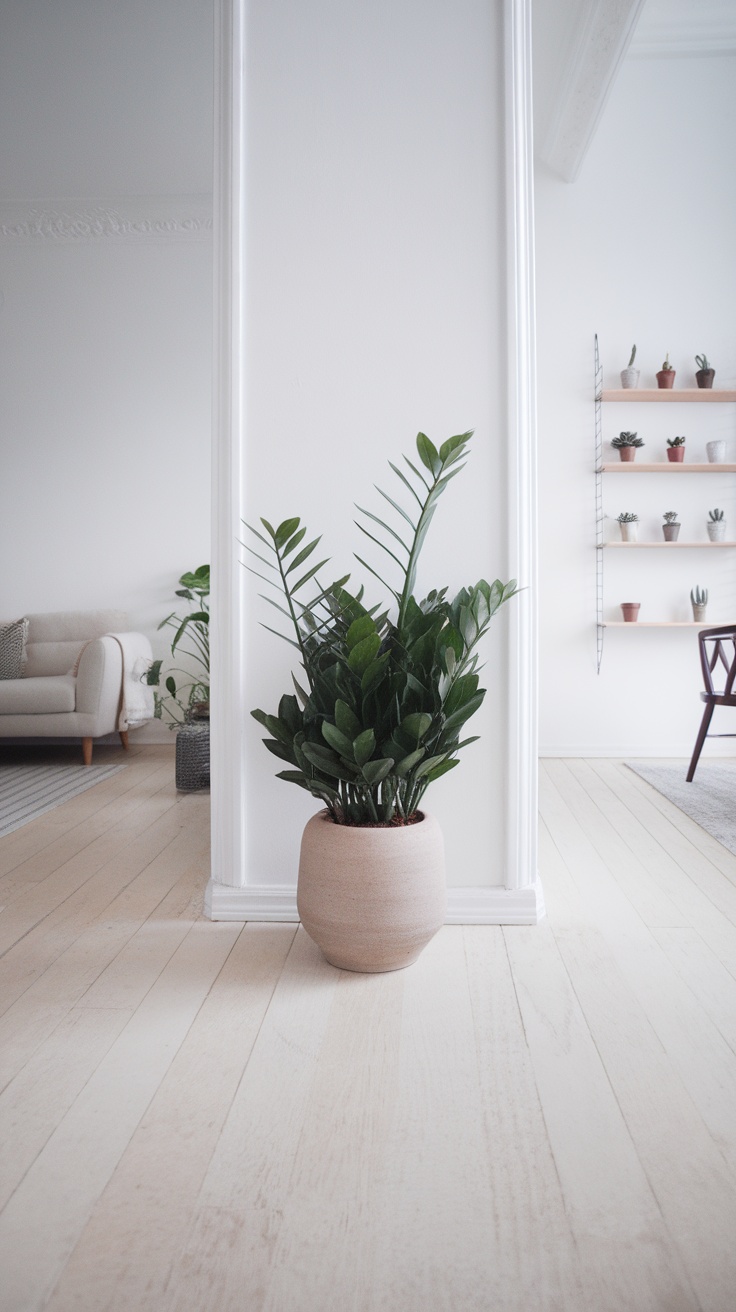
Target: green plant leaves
x,y
428,454
363,654
376,771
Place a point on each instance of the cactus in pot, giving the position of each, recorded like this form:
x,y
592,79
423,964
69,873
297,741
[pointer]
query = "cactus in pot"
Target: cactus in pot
x,y
716,525
705,374
630,375
626,445
666,375
676,449
699,600
627,522
671,527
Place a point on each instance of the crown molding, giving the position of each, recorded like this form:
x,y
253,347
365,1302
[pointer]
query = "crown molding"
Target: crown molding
x,y
678,28
149,218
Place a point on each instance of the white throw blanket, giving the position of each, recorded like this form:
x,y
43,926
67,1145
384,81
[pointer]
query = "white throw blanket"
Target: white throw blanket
x,y
136,706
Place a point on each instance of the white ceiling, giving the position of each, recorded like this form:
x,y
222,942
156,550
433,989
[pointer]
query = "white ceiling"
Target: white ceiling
x,y
686,27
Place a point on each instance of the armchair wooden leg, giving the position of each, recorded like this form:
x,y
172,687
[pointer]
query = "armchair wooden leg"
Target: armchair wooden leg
x,y
124,739
87,751
702,735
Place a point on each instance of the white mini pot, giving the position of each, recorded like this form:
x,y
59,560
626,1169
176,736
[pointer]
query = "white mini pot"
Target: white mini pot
x,y
716,452
629,531
371,899
717,530
629,377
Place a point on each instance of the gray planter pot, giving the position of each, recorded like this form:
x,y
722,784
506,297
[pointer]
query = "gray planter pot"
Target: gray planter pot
x,y
699,614
629,531
716,452
717,531
629,378
671,532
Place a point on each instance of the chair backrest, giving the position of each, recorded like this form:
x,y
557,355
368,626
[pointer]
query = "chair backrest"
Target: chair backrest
x,y
718,647
56,639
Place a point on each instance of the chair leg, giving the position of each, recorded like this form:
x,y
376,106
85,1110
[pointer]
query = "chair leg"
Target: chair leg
x,y
87,751
124,739
702,735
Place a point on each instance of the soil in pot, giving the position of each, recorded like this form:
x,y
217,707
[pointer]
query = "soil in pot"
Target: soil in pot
x,y
371,897
676,454
671,532
666,378
630,611
704,377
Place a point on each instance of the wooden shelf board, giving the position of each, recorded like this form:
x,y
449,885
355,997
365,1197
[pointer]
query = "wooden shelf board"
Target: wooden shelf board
x,y
668,394
664,467
657,624
678,545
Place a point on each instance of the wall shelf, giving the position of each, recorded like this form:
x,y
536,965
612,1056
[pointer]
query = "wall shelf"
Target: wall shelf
x,y
679,546
665,467
657,624
668,394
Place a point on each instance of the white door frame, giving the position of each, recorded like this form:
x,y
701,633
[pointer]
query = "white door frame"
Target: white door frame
x,y
230,895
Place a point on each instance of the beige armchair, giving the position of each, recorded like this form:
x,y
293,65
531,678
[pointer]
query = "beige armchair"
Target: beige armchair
x,y
75,678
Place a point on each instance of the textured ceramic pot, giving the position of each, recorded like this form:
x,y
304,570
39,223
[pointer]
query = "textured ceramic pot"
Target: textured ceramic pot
x,y
704,377
666,378
630,611
629,378
628,531
716,452
671,532
371,899
676,454
716,530
699,614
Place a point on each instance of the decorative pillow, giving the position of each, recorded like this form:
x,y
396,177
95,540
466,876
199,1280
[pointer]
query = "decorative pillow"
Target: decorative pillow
x,y
13,638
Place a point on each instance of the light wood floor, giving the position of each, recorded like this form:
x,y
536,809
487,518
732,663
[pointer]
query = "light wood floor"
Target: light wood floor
x,y
201,1116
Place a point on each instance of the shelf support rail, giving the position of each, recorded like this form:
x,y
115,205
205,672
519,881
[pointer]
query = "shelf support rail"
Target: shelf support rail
x,y
598,384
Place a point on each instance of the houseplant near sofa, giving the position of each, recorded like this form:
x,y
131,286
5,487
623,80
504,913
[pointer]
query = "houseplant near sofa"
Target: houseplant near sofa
x,y
186,705
388,695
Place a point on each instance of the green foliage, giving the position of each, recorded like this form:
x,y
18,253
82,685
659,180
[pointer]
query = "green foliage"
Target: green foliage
x,y
670,516
699,596
715,516
627,517
667,366
626,439
633,356
191,640
387,698
702,362
675,441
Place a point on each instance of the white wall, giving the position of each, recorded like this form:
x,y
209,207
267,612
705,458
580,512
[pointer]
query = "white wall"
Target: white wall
x,y
639,249
375,280
105,329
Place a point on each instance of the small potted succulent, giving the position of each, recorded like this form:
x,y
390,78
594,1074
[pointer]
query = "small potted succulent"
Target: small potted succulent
x,y
699,599
626,444
630,611
705,374
671,528
627,522
716,525
666,375
676,449
630,375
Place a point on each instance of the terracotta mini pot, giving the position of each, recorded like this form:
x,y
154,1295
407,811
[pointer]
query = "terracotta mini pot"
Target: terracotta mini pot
x,y
671,532
704,377
676,454
627,452
630,611
629,378
371,898
666,378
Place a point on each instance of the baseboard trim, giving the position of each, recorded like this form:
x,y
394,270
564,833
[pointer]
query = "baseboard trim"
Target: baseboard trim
x,y
465,906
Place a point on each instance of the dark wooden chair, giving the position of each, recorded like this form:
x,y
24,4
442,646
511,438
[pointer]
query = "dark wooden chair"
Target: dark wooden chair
x,y
717,646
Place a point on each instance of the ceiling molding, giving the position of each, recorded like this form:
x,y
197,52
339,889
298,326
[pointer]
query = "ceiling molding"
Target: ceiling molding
x,y
605,32
679,28
61,221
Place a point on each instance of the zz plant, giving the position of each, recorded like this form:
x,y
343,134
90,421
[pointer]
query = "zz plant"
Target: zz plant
x,y
388,691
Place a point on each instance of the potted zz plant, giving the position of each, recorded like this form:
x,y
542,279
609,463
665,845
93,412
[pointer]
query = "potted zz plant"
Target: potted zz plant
x,y
630,375
671,528
666,375
705,374
626,445
676,449
387,697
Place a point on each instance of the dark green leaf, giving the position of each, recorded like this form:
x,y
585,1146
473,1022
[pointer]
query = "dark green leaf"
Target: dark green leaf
x,y
339,741
375,771
361,628
309,574
171,686
289,713
428,765
364,653
346,720
303,555
277,748
364,746
383,524
404,766
285,531
428,454
268,527
373,674
399,509
453,443
460,693
293,542
294,777
415,726
327,763
441,769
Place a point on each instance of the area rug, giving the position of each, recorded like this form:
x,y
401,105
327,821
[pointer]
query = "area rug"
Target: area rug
x,y
710,800
28,791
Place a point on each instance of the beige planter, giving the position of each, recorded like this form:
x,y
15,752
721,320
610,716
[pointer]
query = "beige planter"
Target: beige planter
x,y
371,898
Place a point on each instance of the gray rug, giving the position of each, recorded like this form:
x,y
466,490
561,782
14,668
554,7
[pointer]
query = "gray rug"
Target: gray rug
x,y
27,791
710,800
